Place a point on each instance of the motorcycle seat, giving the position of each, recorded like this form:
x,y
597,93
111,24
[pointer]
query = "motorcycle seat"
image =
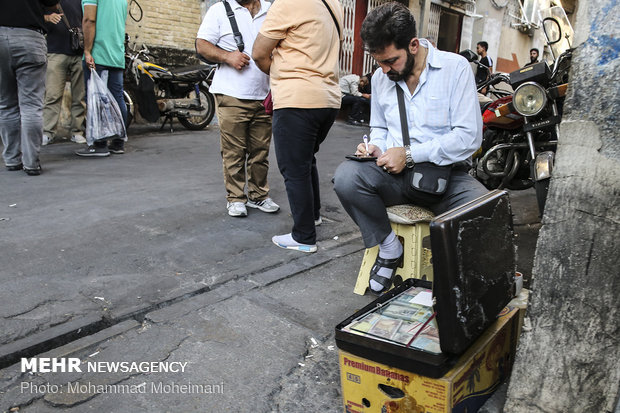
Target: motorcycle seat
x,y
190,72
484,106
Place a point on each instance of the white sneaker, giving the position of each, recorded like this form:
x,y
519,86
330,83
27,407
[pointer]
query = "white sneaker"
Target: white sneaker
x,y
78,138
46,140
236,209
266,205
286,241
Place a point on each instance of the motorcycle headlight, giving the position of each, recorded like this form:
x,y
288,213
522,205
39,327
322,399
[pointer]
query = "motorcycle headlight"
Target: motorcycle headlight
x,y
529,99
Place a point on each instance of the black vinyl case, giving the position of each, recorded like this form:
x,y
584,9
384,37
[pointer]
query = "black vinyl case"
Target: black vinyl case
x,y
473,257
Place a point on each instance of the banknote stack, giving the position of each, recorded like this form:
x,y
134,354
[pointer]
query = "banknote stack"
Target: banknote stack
x,y
406,320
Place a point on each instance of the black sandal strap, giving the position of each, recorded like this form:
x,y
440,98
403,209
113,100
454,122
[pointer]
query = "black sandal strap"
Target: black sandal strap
x,y
385,282
389,263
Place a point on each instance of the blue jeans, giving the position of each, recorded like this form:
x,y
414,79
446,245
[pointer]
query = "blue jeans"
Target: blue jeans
x,y
23,60
115,85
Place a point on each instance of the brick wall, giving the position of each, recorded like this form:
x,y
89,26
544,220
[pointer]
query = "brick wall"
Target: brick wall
x,y
165,23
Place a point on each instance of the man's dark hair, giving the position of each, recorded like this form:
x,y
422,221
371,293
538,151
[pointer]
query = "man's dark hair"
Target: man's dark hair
x,y
484,45
387,24
533,49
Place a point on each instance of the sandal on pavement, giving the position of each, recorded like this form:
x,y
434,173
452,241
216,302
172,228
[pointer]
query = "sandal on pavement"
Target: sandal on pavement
x,y
390,263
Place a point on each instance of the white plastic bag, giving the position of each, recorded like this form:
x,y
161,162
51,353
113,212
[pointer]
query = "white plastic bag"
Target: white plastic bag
x,y
103,118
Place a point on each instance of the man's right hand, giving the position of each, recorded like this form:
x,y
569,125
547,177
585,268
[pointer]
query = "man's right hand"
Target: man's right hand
x,y
237,59
372,150
54,18
90,61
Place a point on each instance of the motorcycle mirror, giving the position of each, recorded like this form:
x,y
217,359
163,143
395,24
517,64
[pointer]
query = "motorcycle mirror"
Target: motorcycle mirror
x,y
552,29
469,55
557,29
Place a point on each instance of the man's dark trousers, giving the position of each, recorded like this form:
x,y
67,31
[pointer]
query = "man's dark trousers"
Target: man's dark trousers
x,y
365,190
358,106
297,135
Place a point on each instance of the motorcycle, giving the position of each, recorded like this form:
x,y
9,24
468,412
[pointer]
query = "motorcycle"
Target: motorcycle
x,y
521,130
181,93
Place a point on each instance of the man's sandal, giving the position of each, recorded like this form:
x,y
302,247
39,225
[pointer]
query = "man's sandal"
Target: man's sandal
x,y
390,263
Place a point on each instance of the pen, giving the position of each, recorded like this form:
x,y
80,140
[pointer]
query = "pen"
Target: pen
x,y
365,138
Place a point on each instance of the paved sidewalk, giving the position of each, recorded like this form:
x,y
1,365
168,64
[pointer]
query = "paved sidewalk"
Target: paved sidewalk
x,y
134,258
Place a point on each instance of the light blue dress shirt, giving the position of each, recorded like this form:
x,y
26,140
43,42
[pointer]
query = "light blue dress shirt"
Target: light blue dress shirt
x,y
445,124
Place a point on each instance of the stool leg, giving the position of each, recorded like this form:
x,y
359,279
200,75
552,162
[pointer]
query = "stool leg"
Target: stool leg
x,y
363,277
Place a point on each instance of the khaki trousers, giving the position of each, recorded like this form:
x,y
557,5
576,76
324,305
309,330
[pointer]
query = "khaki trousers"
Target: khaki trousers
x,y
58,65
245,135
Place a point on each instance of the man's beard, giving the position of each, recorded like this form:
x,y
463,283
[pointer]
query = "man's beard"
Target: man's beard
x,y
398,76
244,2
533,59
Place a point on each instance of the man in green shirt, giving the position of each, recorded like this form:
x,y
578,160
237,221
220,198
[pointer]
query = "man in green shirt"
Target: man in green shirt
x,y
104,50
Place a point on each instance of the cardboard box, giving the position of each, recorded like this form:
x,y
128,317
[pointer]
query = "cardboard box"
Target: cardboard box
x,y
369,386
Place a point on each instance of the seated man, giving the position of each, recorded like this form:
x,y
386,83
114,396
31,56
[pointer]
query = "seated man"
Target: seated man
x,y
353,93
444,125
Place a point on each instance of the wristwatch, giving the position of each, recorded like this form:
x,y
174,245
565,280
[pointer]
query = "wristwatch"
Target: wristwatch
x,y
408,159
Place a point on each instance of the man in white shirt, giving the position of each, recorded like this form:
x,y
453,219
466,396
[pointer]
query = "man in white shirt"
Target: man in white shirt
x,y
239,87
444,125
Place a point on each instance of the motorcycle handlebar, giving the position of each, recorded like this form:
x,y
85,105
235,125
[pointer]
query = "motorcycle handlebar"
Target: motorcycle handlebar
x,y
493,80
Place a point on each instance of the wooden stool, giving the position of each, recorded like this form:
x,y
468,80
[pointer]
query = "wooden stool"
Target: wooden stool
x,y
411,225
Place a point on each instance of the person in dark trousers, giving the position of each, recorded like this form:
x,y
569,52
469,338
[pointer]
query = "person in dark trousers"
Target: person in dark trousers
x,y
533,56
298,46
104,51
61,59
354,93
23,60
443,122
483,73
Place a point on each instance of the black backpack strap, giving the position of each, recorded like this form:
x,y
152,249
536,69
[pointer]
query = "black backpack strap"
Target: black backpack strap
x,y
233,23
236,34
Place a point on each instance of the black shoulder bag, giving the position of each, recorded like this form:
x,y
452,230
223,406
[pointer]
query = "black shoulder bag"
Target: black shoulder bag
x,y
76,36
236,34
424,176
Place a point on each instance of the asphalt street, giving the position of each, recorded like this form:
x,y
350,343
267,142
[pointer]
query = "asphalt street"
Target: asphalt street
x,y
133,258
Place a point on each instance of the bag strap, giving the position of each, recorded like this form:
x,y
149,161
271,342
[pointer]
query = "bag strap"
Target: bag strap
x,y
404,126
64,18
333,17
233,23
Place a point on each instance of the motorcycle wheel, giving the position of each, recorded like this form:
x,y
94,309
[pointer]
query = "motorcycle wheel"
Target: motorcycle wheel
x,y
542,189
200,122
131,108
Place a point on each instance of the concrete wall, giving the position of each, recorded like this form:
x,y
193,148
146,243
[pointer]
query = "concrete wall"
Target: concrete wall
x,y
508,47
416,7
569,361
